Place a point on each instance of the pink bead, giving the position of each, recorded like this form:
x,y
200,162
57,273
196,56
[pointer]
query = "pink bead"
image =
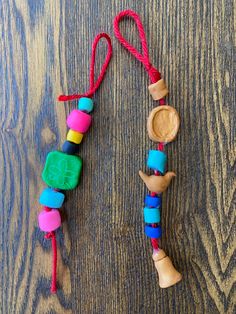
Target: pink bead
x,y
79,121
49,221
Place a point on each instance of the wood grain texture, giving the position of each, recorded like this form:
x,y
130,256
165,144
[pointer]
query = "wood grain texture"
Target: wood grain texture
x,y
105,263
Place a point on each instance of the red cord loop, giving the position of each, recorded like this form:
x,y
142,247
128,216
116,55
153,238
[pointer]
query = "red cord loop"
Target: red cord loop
x,y
153,73
93,86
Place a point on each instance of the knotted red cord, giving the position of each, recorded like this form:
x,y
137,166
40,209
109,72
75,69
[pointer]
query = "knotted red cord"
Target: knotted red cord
x,y
93,86
153,73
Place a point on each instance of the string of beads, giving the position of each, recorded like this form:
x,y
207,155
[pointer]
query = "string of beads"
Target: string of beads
x,y
62,169
163,125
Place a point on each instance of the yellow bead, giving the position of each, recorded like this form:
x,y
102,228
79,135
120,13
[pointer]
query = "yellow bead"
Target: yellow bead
x,y
74,137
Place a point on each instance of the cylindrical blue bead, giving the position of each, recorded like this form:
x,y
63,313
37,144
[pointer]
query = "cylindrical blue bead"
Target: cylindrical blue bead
x,y
151,215
51,198
70,148
152,232
85,104
157,160
152,201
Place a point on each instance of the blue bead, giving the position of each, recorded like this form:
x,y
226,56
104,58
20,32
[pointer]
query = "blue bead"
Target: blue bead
x,y
157,160
151,215
152,232
51,198
85,104
152,201
70,148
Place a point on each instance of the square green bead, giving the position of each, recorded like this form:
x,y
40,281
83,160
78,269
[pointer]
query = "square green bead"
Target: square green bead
x,y
62,171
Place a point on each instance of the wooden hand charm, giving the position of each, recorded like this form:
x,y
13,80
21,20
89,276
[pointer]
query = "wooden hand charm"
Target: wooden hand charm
x,y
157,184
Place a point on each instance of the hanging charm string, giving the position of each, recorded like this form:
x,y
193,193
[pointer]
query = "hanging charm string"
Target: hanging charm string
x,y
92,89
156,184
153,73
93,85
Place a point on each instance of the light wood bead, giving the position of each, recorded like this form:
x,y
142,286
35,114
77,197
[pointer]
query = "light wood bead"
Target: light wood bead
x,y
168,275
158,90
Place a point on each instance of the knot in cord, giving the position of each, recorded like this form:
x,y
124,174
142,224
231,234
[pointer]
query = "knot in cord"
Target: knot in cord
x,y
153,73
49,235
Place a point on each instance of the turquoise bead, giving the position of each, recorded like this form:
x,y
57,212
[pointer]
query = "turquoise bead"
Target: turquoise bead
x,y
157,160
51,198
85,104
151,215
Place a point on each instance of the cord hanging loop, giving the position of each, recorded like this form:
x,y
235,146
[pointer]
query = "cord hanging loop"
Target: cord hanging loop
x,y
153,73
93,85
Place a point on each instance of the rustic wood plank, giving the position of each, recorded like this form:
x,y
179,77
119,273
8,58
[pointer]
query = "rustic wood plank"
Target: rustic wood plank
x,y
105,263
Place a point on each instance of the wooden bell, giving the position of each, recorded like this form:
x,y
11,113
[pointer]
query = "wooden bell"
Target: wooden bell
x,y
168,275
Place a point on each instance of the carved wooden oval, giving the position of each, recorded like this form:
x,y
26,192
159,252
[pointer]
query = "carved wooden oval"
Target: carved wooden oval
x,y
163,124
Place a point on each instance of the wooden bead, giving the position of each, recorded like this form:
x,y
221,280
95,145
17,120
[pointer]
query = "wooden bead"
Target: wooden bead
x,y
74,137
163,124
168,275
157,184
62,171
158,90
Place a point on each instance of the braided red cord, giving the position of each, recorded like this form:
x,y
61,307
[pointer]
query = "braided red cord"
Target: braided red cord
x,y
153,73
93,86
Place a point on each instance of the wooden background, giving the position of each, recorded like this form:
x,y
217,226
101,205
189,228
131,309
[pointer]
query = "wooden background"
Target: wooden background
x,y
105,263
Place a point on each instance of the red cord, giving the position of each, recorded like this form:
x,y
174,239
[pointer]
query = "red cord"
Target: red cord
x,y
154,241
52,235
153,73
93,86
54,264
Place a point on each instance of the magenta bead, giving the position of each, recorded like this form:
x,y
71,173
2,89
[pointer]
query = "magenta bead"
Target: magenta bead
x,y
49,220
79,121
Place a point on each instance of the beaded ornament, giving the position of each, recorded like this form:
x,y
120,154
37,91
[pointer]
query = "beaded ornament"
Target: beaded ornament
x,y
62,169
162,125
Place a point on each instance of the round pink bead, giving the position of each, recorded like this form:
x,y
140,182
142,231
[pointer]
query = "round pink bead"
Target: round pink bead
x,y
79,121
49,221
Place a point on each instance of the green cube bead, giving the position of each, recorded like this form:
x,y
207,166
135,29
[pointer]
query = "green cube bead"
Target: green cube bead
x,y
62,171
